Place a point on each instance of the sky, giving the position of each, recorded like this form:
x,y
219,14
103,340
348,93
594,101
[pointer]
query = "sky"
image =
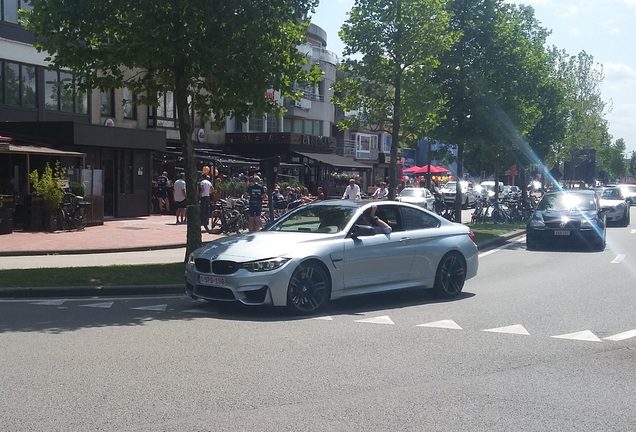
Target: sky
x,y
604,29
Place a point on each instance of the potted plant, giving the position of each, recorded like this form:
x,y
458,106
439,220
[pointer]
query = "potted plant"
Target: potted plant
x,y
48,187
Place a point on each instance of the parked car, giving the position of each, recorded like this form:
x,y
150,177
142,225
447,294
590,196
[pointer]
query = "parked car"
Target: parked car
x,y
565,217
417,196
629,192
507,192
449,190
488,189
614,204
318,252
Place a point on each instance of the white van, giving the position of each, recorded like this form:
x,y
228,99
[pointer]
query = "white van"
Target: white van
x,y
488,188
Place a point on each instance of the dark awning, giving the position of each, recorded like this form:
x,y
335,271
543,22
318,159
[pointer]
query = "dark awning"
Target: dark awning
x,y
334,160
35,150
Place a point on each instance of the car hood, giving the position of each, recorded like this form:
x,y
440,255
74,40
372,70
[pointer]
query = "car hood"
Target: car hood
x,y
610,202
550,215
263,244
411,200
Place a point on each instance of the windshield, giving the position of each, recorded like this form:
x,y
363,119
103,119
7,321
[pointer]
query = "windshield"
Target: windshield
x,y
612,193
315,219
451,185
567,202
411,192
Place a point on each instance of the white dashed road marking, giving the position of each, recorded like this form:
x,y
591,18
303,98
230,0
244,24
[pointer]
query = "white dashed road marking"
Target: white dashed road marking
x,y
619,258
49,302
584,335
513,329
324,318
161,307
105,305
622,336
445,324
377,320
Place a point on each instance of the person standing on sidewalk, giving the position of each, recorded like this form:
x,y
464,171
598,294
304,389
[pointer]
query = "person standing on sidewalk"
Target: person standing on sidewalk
x,y
205,189
162,192
256,192
179,196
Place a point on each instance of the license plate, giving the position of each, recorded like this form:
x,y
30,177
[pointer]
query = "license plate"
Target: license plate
x,y
561,232
212,280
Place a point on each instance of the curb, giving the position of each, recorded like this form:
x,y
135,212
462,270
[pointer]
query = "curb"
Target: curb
x,y
92,251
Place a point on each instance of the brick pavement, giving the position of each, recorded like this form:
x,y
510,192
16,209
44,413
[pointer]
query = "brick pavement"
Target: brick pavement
x,y
140,233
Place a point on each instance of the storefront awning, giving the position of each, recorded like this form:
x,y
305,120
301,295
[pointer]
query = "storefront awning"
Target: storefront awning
x,y
334,160
36,150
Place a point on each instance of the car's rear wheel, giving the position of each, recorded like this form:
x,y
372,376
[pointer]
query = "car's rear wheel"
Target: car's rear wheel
x,y
309,289
450,276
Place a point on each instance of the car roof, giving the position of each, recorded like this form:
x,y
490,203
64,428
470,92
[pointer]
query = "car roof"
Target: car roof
x,y
572,191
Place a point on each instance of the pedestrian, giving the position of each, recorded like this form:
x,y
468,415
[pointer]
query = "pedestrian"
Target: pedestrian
x,y
256,192
205,190
320,194
179,196
352,191
162,192
381,193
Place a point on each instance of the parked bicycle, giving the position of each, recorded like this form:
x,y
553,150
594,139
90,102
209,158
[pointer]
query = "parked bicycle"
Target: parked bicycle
x,y
70,214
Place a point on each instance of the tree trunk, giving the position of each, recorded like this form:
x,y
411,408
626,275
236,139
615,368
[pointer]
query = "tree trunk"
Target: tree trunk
x,y
458,191
193,239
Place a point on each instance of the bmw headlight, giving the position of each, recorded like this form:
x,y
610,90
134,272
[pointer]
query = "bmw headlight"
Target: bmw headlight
x,y
265,265
536,223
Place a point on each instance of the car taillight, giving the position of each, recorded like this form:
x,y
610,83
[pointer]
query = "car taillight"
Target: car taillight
x,y
472,236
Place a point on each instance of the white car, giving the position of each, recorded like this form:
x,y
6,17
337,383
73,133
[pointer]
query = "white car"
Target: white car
x,y
629,192
320,252
615,206
417,196
468,193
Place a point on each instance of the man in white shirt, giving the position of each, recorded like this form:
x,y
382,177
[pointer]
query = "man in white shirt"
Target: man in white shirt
x,y
352,191
179,195
382,192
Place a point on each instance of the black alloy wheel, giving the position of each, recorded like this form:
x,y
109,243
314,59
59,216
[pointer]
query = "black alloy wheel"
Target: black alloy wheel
x,y
309,289
450,276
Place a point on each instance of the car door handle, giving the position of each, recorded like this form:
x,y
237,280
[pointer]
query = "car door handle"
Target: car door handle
x,y
405,239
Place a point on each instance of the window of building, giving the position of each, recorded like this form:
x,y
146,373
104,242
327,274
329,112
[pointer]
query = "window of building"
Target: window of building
x,y
17,84
256,124
165,115
130,104
287,125
238,126
107,103
9,9
273,123
62,93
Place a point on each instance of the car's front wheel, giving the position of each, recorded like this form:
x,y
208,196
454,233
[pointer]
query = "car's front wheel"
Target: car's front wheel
x,y
450,276
309,289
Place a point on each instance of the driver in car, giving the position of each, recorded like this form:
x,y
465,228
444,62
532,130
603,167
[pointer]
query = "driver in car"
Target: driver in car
x,y
371,219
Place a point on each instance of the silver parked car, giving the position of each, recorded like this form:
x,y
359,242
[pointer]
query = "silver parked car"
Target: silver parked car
x,y
449,190
319,252
614,205
417,196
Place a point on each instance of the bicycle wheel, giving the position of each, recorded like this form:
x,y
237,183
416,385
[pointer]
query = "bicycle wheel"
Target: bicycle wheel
x,y
498,216
80,220
215,222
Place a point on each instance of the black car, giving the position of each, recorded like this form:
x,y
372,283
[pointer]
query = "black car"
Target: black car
x,y
567,217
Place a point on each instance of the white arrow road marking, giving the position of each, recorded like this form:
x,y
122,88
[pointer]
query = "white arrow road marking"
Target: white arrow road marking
x,y
377,320
513,329
622,336
324,318
161,307
619,258
105,305
633,231
49,302
445,324
584,335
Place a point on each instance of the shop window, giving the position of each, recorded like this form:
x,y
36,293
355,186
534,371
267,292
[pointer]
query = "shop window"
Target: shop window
x,y
256,124
273,123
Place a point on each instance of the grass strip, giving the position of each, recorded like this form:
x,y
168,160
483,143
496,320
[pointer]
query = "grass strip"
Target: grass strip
x,y
147,274
489,230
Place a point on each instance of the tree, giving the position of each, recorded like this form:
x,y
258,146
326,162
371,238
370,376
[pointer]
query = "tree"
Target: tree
x,y
491,79
398,43
219,58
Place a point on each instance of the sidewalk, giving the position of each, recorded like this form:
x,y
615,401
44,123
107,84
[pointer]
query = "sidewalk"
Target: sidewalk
x,y
115,235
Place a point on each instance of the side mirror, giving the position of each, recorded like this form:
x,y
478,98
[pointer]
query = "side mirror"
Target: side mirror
x,y
362,231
